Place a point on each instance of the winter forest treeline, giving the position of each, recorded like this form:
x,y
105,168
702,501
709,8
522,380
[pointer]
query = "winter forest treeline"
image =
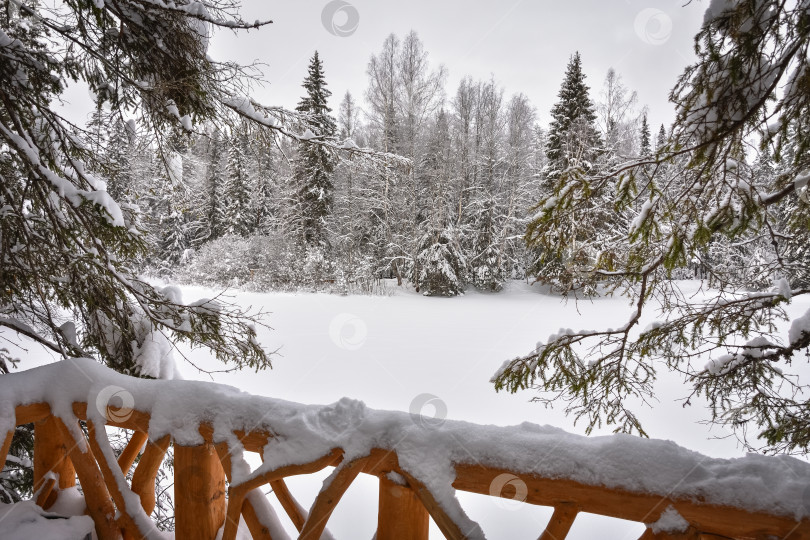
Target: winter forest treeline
x,y
226,206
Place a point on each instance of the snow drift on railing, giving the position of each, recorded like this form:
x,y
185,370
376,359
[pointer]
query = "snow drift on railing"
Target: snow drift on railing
x,y
426,450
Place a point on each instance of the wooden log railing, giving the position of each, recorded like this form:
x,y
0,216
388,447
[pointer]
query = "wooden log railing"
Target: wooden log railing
x,y
203,504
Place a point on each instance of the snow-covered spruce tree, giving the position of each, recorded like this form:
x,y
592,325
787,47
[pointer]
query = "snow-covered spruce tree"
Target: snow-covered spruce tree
x,y
112,146
436,169
236,190
750,82
314,165
173,220
213,198
573,149
442,268
487,262
645,151
645,146
195,180
573,142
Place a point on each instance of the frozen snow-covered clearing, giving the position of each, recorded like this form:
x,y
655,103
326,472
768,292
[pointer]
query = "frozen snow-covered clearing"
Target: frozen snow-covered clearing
x,y
390,351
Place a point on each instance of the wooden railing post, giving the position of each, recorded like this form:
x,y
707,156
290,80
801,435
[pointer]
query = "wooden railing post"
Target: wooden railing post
x,y
560,523
6,447
401,515
50,455
143,479
199,492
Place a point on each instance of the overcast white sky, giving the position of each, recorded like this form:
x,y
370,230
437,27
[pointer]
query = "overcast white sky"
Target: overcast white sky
x,y
525,44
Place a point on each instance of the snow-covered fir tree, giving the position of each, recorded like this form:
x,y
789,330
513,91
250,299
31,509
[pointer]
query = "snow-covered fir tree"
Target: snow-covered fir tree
x,y
645,142
487,261
314,165
573,143
237,188
214,195
573,151
172,217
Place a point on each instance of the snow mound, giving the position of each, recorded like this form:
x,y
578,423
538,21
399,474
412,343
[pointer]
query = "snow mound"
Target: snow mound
x,y
670,521
25,520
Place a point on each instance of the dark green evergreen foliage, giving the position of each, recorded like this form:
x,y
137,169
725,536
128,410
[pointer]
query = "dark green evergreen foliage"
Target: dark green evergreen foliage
x,y
792,215
175,239
645,148
17,479
641,184
120,175
315,103
172,209
435,169
573,143
750,81
262,203
573,150
314,165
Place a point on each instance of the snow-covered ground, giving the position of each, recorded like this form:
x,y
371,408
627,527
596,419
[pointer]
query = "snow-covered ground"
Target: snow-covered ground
x,y
435,356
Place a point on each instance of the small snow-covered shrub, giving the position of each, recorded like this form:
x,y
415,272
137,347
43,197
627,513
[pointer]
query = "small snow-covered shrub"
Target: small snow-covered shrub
x,y
356,275
256,262
219,262
273,262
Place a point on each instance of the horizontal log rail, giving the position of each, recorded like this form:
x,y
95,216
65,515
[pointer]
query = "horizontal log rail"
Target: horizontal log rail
x,y
213,488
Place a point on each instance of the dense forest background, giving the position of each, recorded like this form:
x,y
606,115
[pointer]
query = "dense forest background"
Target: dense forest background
x,y
238,207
